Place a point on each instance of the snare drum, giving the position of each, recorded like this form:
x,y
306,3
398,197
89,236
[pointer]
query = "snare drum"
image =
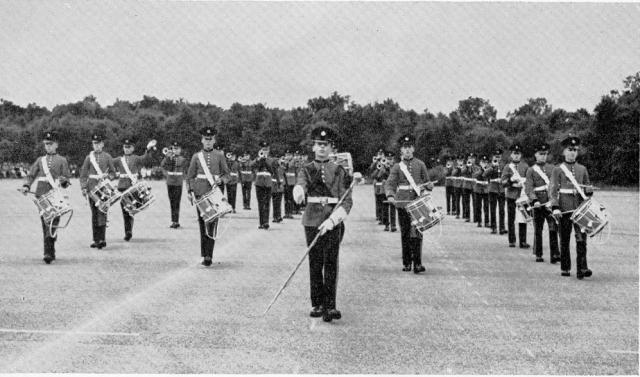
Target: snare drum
x,y
52,205
104,195
524,210
591,217
213,205
137,198
424,213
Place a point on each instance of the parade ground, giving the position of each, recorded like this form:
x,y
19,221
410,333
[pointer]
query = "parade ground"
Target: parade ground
x,y
148,306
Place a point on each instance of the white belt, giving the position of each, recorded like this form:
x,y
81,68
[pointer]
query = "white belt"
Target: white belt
x,y
96,176
405,187
567,191
174,173
291,174
322,200
127,176
245,172
263,173
378,183
482,182
203,176
42,179
497,180
542,188
469,179
233,174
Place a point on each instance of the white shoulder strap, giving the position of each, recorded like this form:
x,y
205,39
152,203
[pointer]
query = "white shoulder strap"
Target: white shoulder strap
x,y
515,171
47,172
205,167
133,178
92,158
573,181
541,173
405,171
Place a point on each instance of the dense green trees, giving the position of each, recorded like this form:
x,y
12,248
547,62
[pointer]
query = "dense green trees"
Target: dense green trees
x,y
610,133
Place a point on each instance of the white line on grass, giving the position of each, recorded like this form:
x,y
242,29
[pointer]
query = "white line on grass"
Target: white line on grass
x,y
623,351
56,349
96,333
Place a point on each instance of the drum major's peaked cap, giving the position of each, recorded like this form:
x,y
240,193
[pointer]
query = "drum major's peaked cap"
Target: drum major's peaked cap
x,y
208,131
570,141
97,137
50,136
323,133
407,140
543,147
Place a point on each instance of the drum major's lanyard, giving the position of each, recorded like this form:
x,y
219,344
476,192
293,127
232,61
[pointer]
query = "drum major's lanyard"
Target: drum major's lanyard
x,y
47,172
573,181
92,158
133,178
405,171
205,167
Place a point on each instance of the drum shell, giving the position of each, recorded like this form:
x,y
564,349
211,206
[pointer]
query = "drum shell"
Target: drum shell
x,y
524,211
590,217
424,214
137,198
52,204
212,205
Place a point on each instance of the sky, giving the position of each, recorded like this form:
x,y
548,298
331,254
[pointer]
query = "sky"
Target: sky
x,y
421,55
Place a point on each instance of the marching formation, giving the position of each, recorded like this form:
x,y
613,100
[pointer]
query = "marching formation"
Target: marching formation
x,y
558,195
476,189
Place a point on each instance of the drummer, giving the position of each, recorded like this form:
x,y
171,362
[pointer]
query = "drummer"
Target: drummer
x,y
512,177
537,189
97,167
201,182
127,167
400,191
565,197
48,168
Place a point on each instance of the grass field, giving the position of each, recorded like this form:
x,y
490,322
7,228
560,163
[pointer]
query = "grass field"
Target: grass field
x,y
147,306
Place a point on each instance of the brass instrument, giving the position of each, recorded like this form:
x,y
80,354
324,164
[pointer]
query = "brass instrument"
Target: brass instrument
x,y
449,165
229,155
262,153
167,151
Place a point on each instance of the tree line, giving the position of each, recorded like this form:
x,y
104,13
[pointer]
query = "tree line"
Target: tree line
x,y
610,133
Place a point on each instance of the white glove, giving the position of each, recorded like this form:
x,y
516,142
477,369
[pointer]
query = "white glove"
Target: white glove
x,y
326,226
536,204
557,213
298,194
151,144
334,219
513,178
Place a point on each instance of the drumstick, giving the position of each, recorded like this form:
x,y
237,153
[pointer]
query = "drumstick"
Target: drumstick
x,y
26,192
